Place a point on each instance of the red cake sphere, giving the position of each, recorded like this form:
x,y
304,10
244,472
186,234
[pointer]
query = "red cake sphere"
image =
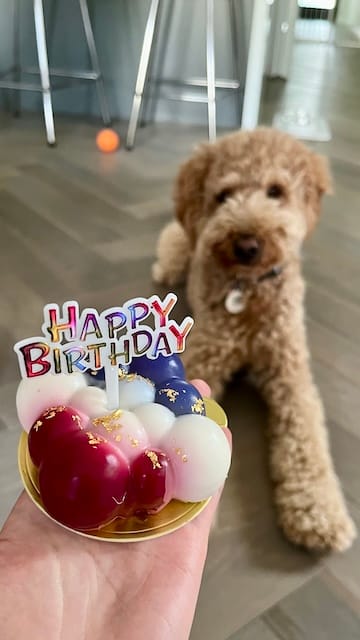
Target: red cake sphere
x,y
151,482
83,481
53,423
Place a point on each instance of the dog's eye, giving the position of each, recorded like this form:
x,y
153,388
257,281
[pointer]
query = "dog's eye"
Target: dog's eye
x,y
275,191
223,195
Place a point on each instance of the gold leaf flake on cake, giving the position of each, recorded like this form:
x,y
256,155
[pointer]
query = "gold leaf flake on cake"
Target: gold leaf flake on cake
x,y
171,394
52,411
76,418
179,452
198,406
94,439
154,459
37,425
50,414
133,441
150,382
110,422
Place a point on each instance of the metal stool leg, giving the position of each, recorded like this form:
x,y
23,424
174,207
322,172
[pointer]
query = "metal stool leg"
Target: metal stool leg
x,y
236,52
147,112
255,65
16,57
95,61
44,70
142,71
210,69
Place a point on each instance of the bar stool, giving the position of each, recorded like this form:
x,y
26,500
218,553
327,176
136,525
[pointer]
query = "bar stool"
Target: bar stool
x,y
44,87
209,83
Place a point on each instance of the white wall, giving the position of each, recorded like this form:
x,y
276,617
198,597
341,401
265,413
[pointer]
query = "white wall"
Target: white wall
x,y
119,28
349,13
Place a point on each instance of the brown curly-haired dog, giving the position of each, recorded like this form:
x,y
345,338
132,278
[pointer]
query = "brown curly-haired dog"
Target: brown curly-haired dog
x,y
244,205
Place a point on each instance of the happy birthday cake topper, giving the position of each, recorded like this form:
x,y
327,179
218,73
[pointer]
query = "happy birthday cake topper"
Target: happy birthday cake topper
x,y
74,341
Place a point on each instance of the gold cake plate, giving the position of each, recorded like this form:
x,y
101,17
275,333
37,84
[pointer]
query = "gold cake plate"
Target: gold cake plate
x,y
175,515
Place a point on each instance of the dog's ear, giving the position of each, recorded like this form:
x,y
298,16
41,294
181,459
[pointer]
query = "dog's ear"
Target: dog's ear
x,y
189,191
319,182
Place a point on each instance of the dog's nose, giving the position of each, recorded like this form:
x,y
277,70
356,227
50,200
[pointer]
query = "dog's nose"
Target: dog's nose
x,y
247,249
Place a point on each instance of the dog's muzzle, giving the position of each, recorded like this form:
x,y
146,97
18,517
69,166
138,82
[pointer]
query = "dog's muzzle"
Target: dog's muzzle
x,y
247,249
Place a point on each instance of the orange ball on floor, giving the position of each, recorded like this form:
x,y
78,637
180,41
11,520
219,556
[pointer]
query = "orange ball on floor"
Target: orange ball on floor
x,y
107,140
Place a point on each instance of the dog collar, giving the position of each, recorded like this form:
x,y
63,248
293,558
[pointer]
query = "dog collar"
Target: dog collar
x,y
273,273
235,301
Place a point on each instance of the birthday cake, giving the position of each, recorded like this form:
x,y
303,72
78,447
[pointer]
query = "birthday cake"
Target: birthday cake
x,y
114,429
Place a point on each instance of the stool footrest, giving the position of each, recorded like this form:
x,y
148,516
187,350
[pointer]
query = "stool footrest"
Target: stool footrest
x,y
20,86
177,94
183,97
66,73
220,83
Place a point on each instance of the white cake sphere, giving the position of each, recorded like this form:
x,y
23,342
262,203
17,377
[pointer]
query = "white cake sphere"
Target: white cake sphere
x,y
35,395
124,429
157,421
134,391
200,456
92,401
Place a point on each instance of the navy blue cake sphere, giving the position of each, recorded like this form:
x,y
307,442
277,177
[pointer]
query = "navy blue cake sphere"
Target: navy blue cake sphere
x,y
163,368
180,397
96,377
96,374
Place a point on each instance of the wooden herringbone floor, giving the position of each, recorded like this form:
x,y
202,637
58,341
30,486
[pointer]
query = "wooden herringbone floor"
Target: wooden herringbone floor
x,y
76,224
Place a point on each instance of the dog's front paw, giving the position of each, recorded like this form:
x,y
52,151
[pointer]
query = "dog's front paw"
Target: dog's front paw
x,y
319,524
166,276
158,273
198,368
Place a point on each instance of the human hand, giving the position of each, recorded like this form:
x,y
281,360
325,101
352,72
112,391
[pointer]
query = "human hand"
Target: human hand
x,y
61,586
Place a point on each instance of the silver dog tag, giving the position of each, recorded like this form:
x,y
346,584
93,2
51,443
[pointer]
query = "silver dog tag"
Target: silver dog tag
x,y
234,301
